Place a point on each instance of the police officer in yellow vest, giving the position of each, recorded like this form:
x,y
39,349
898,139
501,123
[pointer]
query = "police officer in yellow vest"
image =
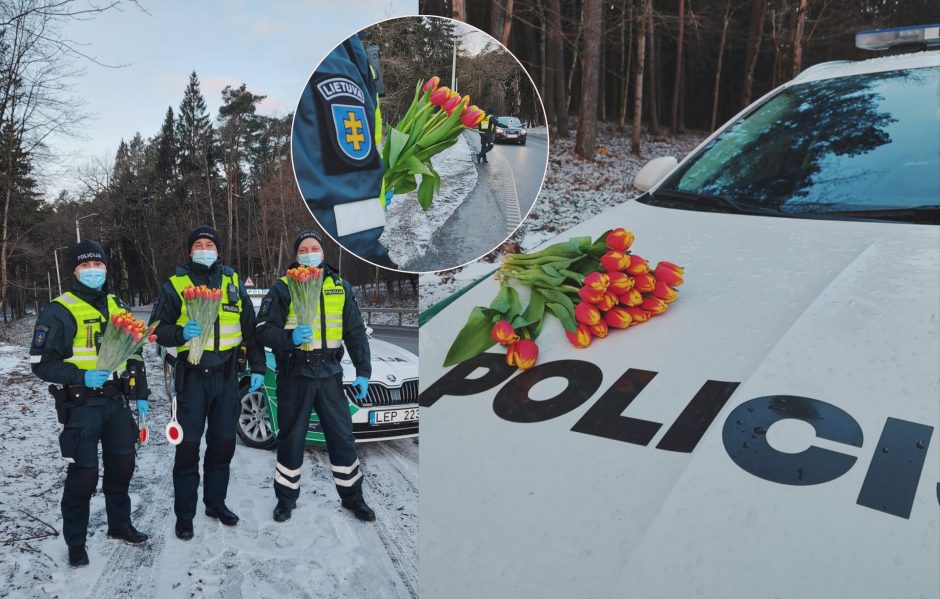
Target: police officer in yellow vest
x,y
314,380
92,404
207,393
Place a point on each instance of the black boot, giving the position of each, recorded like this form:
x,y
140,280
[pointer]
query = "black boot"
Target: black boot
x,y
184,528
129,535
282,510
358,507
223,515
78,556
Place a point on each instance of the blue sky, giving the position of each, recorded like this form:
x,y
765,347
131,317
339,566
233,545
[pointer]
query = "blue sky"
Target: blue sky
x,y
271,46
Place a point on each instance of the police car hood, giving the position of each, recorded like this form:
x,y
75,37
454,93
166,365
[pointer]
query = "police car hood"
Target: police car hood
x,y
840,312
391,364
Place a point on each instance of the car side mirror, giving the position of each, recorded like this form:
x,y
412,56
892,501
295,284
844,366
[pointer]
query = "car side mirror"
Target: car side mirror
x,y
653,172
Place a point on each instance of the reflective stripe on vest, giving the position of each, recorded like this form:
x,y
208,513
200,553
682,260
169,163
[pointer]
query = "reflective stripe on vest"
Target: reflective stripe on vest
x,y
88,321
230,323
334,298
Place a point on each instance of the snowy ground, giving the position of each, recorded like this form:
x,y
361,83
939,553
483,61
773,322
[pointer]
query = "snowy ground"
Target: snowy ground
x,y
408,228
403,299
323,551
574,191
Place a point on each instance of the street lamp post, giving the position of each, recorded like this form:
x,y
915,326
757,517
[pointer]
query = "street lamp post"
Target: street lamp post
x,y
58,277
78,234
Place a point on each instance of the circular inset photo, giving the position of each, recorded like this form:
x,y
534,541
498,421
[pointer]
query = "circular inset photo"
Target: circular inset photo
x,y
420,143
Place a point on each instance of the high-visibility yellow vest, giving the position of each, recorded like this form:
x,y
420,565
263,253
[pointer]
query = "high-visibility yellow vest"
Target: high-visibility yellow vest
x,y
485,123
230,323
334,298
89,323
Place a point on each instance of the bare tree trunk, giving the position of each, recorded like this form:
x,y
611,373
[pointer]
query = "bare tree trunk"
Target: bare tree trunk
x,y
653,105
628,62
721,56
556,53
577,52
754,38
459,10
638,86
507,24
590,71
798,37
678,78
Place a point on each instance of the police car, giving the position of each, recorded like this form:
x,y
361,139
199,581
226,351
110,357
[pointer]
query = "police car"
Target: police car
x,y
774,434
389,411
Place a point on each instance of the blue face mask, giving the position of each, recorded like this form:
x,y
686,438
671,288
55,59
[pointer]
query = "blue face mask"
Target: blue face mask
x,y
310,259
205,257
92,277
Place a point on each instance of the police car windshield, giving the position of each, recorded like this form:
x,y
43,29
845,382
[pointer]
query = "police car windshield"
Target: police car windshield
x,y
509,121
864,146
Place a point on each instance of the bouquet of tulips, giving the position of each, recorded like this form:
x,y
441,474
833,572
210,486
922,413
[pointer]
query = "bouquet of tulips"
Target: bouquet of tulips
x,y
590,287
121,340
435,118
202,305
305,283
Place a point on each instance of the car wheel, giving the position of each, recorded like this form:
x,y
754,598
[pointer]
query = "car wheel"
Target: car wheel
x,y
522,143
254,420
168,376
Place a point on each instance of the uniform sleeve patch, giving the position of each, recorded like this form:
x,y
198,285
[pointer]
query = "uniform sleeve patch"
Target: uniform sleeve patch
x,y
265,306
40,334
347,121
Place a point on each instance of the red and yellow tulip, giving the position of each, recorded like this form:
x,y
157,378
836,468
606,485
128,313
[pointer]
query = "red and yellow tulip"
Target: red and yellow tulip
x,y
645,282
665,292
618,317
522,354
587,314
581,337
668,273
619,239
653,305
620,282
614,260
637,265
503,333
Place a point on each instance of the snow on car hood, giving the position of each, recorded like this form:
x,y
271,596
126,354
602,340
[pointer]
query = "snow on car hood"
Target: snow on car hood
x,y
391,364
839,317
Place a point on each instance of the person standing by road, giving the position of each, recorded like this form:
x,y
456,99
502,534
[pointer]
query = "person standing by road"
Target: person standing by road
x,y
313,380
487,134
92,404
207,393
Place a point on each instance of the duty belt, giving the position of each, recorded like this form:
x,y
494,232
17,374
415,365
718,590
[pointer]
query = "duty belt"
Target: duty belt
x,y
317,356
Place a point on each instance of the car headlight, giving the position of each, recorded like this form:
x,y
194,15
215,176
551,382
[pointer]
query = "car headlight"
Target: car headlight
x,y
500,130
522,132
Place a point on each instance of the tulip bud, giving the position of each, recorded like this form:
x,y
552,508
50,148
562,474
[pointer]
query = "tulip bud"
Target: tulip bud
x,y
668,275
665,292
614,260
599,330
152,338
618,317
522,354
631,298
637,265
581,337
597,280
431,84
589,295
473,117
465,102
644,282
451,103
620,282
619,239
440,95
639,315
608,301
653,305
503,333
673,267
587,314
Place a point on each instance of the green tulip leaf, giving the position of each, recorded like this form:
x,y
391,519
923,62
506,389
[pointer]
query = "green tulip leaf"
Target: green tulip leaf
x,y
564,315
472,340
395,142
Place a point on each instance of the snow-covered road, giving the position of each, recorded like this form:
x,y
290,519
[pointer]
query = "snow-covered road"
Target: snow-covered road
x,y
323,551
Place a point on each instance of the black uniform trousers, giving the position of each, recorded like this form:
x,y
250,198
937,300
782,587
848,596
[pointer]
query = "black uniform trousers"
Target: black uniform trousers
x,y
297,396
108,421
207,402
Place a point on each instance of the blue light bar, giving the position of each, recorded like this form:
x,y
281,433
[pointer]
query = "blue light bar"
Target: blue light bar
x,y
884,39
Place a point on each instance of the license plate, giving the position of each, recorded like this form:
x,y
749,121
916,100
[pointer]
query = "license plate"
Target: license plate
x,y
512,135
379,417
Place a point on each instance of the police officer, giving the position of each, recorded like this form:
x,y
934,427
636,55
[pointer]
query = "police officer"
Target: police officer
x,y
207,393
487,135
314,380
92,404
334,145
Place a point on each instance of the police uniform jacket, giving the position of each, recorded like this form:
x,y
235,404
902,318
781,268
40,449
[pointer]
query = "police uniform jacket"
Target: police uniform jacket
x,y
53,336
168,305
273,316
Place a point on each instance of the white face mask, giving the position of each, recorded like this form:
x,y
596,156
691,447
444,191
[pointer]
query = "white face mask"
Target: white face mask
x,y
205,257
310,259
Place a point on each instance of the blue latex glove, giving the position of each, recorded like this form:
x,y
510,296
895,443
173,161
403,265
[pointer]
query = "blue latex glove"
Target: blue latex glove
x,y
143,408
95,379
363,384
302,334
388,197
256,381
192,329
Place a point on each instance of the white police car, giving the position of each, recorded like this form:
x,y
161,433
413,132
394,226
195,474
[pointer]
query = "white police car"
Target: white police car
x,y
775,433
